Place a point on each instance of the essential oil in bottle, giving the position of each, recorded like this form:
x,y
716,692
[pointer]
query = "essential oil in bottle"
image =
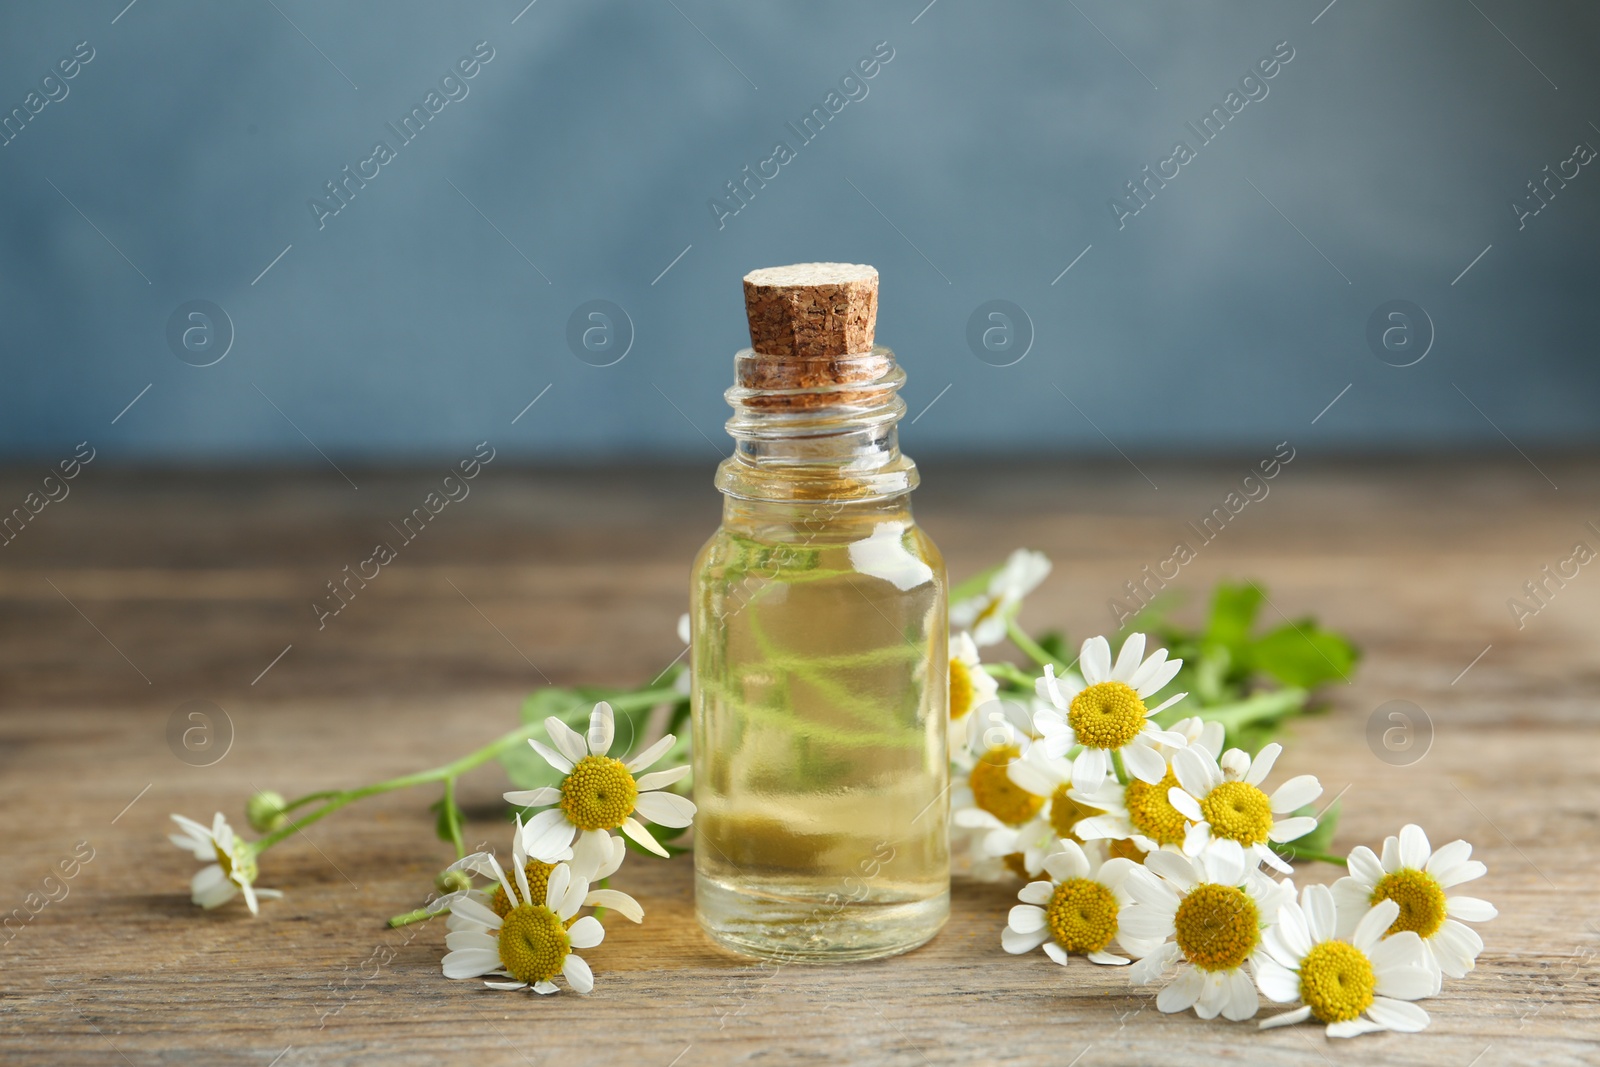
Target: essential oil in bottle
x,y
819,629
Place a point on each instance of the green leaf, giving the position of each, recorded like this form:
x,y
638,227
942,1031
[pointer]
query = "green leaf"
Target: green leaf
x,y
1233,615
526,768
1304,654
1055,643
441,823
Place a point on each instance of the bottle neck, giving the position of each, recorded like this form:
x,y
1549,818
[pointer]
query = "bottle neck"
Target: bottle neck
x,y
832,442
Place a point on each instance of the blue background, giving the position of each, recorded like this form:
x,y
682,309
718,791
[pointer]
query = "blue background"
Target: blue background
x,y
429,312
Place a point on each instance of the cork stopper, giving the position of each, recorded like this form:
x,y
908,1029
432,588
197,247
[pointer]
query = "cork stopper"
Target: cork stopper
x,y
811,327
812,310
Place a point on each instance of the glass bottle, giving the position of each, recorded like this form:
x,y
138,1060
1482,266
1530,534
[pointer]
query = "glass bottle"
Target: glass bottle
x,y
820,692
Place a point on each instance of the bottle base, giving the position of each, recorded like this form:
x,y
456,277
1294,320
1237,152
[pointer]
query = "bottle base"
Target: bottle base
x,y
801,922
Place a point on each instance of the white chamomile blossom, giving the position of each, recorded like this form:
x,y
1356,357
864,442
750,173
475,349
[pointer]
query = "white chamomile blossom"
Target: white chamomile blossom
x,y
986,807
1206,916
970,686
1105,713
1224,801
231,863
1419,879
532,942
590,868
1057,819
1141,812
1075,910
599,794
987,614
1355,984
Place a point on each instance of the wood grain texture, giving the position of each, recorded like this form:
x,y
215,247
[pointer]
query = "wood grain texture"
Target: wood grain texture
x,y
145,590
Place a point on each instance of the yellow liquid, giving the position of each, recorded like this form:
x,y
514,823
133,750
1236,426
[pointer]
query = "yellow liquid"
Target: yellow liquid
x,y
821,772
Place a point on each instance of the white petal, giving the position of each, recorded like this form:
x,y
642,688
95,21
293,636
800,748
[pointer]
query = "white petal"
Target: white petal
x,y
1469,909
1018,943
1214,994
1391,853
1320,911
1187,806
1407,983
1372,925
1026,774
1353,1028
1297,792
1090,765
651,754
1152,964
544,988
1147,671
1363,863
1277,982
1174,868
548,835
1094,660
1397,1015
1068,862
1036,893
1144,763
1288,1018
617,901
1055,952
1414,850
667,809
1293,933
1048,688
456,940
471,910
1196,771
1242,1002
1461,872
1105,958
470,962
577,973
591,852
662,779
1158,679
1025,918
568,742
507,985
534,798
586,932
641,837
1261,766
1446,857
1130,659
602,728
556,886
1292,828
1195,838
1224,861
1456,946
551,756
1183,992
1141,922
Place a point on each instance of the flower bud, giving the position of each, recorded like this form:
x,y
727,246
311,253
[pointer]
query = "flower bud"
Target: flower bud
x,y
265,811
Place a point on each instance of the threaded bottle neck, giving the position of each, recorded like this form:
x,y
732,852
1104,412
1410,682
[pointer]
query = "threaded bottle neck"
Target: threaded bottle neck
x,y
816,428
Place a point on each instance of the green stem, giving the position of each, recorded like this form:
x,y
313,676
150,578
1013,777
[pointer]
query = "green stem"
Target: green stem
x,y
644,698
1009,672
1030,647
452,816
1116,765
414,917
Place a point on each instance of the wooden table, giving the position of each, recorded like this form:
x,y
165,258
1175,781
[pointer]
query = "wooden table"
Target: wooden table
x,y
142,591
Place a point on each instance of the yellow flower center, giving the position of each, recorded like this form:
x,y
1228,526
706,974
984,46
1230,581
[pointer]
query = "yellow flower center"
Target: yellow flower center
x,y
533,943
996,794
961,689
1106,715
244,864
1336,981
599,793
1065,813
1421,900
1217,926
538,879
1152,814
1240,811
1082,915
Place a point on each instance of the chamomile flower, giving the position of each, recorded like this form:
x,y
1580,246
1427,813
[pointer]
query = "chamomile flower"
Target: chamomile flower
x,y
970,685
599,794
591,867
1057,819
1075,910
1106,714
1419,879
1224,801
231,863
532,942
987,614
1354,984
1206,915
1141,813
